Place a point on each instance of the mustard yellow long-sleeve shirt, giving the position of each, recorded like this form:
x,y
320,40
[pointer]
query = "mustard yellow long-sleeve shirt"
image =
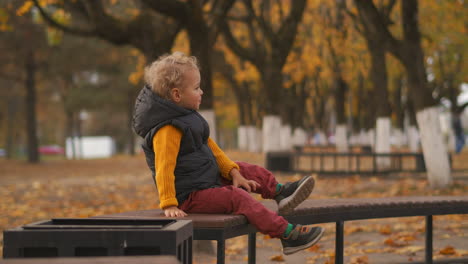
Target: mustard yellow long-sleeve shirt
x,y
166,145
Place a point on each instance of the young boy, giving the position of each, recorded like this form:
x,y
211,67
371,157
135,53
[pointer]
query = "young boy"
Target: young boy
x,y
192,174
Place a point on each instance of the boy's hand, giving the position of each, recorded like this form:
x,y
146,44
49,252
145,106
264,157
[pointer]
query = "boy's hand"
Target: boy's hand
x,y
239,181
173,211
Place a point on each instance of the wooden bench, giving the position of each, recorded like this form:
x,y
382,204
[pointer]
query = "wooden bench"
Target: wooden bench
x,y
222,227
95,260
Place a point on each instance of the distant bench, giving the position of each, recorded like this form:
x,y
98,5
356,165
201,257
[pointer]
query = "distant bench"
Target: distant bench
x,y
220,227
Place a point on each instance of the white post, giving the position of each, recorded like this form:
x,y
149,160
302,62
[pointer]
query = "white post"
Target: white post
x,y
271,133
299,137
285,140
413,139
242,138
382,142
371,136
254,139
434,149
210,117
341,138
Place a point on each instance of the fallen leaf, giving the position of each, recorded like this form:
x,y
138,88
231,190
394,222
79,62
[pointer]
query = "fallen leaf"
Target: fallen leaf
x,y
314,248
385,230
353,229
393,243
448,250
410,249
360,260
278,258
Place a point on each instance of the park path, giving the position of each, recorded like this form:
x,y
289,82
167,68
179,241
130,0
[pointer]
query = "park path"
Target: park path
x,y
85,188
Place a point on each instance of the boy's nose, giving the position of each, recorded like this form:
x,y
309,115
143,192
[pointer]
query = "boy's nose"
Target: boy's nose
x,y
201,91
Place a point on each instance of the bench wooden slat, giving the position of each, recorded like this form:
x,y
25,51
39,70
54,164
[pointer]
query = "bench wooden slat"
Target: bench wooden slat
x,y
94,260
198,220
333,210
328,210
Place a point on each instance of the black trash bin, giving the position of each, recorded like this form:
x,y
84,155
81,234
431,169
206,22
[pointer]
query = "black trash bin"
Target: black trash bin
x,y
100,237
279,161
420,163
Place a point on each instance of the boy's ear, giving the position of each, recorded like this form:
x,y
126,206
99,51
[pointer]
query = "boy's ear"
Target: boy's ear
x,y
175,94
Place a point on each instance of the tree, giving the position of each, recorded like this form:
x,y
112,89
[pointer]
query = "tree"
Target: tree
x,y
410,53
269,46
26,46
270,36
378,75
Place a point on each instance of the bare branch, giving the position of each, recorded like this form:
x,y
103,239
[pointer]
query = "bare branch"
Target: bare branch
x,y
173,8
377,26
234,44
52,22
218,13
288,30
265,28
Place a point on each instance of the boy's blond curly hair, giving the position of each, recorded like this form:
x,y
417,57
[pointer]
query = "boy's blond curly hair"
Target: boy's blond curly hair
x,y
167,72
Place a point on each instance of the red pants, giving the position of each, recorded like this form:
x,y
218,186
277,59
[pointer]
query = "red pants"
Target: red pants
x,y
229,199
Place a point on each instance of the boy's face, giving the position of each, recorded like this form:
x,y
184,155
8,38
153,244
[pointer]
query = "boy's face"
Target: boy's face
x,y
190,95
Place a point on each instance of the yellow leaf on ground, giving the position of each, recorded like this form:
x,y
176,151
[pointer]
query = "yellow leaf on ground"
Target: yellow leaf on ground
x,y
385,230
278,258
314,248
448,250
393,243
410,249
360,260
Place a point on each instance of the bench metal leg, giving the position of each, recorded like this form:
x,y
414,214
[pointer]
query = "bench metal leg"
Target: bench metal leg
x,y
252,247
220,251
339,241
429,239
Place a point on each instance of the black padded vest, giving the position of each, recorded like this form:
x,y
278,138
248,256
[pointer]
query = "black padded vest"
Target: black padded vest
x,y
196,167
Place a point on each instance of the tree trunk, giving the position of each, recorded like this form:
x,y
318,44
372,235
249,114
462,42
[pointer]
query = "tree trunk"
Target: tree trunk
x,y
130,133
70,135
341,134
427,114
378,74
11,120
271,133
30,103
272,84
410,53
398,104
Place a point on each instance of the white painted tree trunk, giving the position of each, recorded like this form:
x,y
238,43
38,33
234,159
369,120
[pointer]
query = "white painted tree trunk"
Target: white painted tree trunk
x,y
271,133
371,134
399,137
434,149
364,137
286,138
382,142
242,137
413,139
341,138
254,139
299,137
210,117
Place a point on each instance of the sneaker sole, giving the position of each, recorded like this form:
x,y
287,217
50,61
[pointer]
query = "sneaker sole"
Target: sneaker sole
x,y
291,250
303,191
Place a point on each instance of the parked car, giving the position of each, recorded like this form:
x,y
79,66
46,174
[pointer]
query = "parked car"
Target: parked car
x,y
51,150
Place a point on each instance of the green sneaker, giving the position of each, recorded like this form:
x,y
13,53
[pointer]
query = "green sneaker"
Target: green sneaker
x,y
294,193
301,237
